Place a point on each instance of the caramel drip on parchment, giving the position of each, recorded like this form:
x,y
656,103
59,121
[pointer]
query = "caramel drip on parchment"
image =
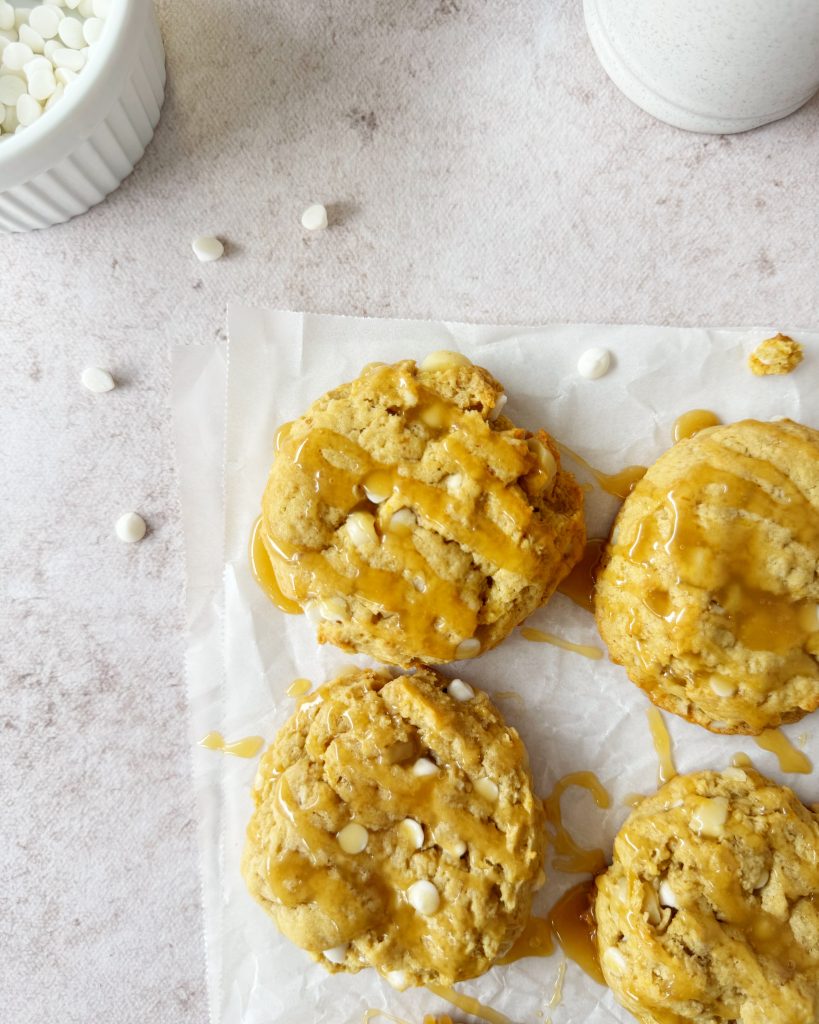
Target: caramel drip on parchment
x,y
578,586
486,510
662,744
790,759
741,760
322,873
299,688
247,747
572,920
534,940
619,484
557,992
263,573
712,528
538,636
370,1015
571,857
692,422
469,1005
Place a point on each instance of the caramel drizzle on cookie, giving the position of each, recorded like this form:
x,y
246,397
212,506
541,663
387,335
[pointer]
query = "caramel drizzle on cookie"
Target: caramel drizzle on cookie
x,y
491,517
727,555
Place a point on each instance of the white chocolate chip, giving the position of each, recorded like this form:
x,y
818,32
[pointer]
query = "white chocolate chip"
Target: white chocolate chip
x,y
614,961
207,248
497,408
402,521
468,648
651,906
423,767
423,897
735,774
413,832
763,880
353,838
668,897
722,687
459,690
594,363
453,483
97,380
130,528
545,459
709,816
443,360
361,530
333,609
486,788
398,979
336,955
314,218
313,612
420,584
377,492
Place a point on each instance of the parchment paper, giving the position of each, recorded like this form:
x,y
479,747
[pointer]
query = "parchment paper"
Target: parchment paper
x,y
573,713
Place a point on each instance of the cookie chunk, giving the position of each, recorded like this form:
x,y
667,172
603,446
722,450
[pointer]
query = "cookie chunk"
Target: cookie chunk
x,y
708,910
709,587
412,520
395,827
776,355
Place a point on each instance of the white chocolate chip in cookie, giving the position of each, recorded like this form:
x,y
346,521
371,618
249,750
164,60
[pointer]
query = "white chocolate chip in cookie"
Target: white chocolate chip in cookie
x,y
487,789
353,838
412,832
402,521
709,816
361,530
459,690
398,979
667,895
444,359
337,954
722,687
424,897
424,767
614,960
333,609
497,409
468,648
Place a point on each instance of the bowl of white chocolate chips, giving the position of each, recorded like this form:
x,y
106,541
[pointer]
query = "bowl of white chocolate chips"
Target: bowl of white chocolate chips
x,y
81,88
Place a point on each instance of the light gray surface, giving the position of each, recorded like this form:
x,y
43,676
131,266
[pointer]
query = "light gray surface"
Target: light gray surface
x,y
478,165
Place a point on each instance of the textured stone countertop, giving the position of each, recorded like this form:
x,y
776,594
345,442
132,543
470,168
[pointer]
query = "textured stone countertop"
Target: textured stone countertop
x,y
477,165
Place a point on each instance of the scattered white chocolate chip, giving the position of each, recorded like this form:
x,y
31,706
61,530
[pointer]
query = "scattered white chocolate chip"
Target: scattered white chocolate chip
x,y
667,895
423,897
336,955
97,380
486,788
468,648
313,612
420,584
453,483
544,457
398,979
413,832
130,528
763,880
722,687
459,690
333,609
361,529
709,816
314,217
353,838
207,248
443,359
614,961
594,363
457,849
735,774
423,767
402,520
497,408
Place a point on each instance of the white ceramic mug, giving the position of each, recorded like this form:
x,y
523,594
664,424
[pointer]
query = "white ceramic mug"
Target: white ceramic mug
x,y
709,65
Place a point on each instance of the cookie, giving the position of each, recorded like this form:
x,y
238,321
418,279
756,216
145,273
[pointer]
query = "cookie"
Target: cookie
x,y
708,910
708,590
412,520
395,827
776,355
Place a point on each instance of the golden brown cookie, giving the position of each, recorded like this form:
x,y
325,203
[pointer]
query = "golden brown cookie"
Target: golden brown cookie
x,y
412,520
709,587
776,355
395,827
708,912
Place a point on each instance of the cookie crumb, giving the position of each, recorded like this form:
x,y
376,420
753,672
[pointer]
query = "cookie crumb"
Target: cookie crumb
x,y
778,355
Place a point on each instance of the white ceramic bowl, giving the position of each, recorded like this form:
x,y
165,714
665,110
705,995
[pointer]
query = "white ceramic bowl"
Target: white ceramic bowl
x,y
82,149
